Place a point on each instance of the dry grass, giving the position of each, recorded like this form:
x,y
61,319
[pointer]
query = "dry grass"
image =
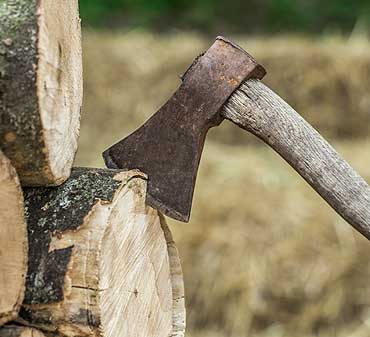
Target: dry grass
x,y
128,77
263,255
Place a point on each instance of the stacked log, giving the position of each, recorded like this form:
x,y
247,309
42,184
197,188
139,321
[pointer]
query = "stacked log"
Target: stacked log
x,y
40,87
13,242
100,262
81,254
40,99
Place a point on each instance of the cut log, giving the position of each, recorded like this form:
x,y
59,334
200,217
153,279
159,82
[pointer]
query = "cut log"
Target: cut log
x,y
40,87
19,331
178,291
13,242
102,263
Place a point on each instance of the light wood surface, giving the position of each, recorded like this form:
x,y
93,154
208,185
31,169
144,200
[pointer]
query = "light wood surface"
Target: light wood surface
x,y
102,263
13,242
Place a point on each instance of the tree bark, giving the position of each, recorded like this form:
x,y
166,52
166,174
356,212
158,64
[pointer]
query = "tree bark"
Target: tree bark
x,y
40,87
101,262
19,331
13,242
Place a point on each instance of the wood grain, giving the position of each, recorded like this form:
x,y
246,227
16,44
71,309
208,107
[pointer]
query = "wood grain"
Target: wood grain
x,y
101,262
257,109
178,289
13,242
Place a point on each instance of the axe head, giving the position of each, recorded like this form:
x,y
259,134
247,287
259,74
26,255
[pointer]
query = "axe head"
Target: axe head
x,y
169,145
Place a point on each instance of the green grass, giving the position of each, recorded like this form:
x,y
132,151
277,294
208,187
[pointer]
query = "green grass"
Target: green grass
x,y
267,16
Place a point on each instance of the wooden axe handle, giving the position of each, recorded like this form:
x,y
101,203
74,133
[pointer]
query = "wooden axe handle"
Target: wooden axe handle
x,y
257,109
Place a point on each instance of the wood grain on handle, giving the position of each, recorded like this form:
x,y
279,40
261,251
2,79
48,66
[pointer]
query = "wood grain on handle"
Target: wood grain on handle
x,y
257,109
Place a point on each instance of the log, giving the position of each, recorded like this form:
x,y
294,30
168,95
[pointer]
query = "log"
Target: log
x,y
40,87
101,262
13,242
178,291
19,331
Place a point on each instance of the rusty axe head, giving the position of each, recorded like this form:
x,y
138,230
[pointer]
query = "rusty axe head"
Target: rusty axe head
x,y
169,145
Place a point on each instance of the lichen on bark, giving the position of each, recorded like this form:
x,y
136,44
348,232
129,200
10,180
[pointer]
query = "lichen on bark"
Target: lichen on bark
x,y
53,210
20,123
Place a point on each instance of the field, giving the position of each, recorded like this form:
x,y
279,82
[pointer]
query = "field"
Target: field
x,y
263,255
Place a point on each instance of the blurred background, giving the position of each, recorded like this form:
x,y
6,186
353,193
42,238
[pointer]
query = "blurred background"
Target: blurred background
x,y
263,255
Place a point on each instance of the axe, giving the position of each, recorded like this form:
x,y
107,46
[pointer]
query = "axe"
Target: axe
x,y
224,83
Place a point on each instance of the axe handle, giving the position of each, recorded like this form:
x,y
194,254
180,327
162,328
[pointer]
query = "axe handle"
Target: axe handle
x,y
257,109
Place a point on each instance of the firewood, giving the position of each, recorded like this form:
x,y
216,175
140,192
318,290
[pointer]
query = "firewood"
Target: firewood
x,y
40,87
178,291
13,242
19,331
101,262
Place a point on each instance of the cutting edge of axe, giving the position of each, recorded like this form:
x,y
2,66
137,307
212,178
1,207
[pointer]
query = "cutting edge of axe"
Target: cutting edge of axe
x,y
222,84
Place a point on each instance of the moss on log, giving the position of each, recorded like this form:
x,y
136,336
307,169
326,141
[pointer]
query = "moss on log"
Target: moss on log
x,y
40,87
13,242
101,262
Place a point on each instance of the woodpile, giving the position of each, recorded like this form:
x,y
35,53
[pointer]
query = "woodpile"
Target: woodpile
x,y
99,260
13,242
81,254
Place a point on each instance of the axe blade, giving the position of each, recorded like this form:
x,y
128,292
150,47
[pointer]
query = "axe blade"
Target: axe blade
x,y
169,145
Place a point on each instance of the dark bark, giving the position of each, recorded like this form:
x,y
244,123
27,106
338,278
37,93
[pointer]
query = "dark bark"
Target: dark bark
x,y
19,331
20,125
51,211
